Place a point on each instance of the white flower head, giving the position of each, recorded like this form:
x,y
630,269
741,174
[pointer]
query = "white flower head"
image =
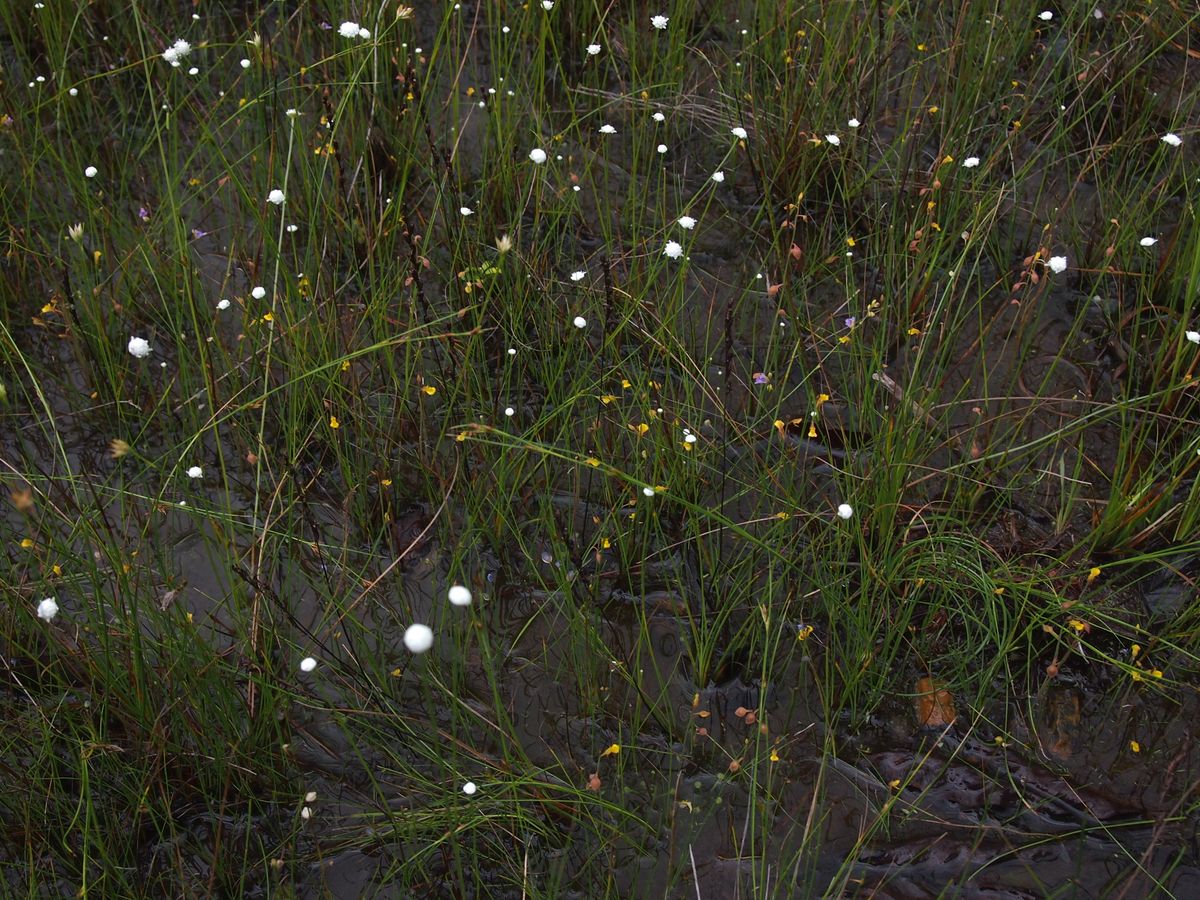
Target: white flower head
x,y
673,250
1045,15
845,511
47,609
537,155
1058,264
466,211
276,197
648,491
75,232
418,638
364,33
1172,139
579,322
607,129
718,176
258,292
593,49
307,664
738,132
659,22
139,348
222,304
195,472
970,162
687,223
547,5
469,788
292,112
348,30
853,123
833,139
1193,336
658,117
177,51
1148,241
459,595
91,171
578,275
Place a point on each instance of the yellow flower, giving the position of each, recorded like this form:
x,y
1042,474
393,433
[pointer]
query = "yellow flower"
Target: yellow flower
x,y
804,633
611,750
1093,574
26,543
429,389
334,423
1135,746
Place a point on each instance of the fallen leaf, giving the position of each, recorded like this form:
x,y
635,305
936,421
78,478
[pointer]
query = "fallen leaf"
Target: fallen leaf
x,y
935,705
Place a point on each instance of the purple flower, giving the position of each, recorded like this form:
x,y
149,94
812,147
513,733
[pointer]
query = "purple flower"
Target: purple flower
x,y
198,233
143,214
762,378
850,321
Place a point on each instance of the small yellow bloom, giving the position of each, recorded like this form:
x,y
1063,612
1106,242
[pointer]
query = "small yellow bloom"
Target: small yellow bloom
x,y
1093,574
611,750
812,429
593,462
26,543
1156,673
118,448
334,423
1077,624
804,633
641,428
914,331
429,390
894,784
774,756
626,383
1135,746
607,398
386,482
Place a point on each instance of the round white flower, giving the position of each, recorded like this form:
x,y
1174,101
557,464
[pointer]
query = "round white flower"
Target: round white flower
x,y
509,411
276,197
1148,241
459,595
348,29
738,132
466,211
195,472
139,347
687,223
292,112
845,511
833,139
661,148
1045,15
673,250
1058,264
854,123
418,638
1193,336
245,63
648,491
578,275
547,5
259,292
537,155
91,171
593,49
659,22
607,129
47,609
579,322
658,117
307,664
306,813
469,788
1172,139
970,162
718,176
222,305
364,33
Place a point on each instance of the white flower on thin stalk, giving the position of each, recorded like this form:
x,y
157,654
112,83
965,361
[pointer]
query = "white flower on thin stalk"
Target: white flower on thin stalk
x,y
659,22
1045,15
718,176
1172,139
466,211
658,117
276,197
418,638
459,595
738,132
1058,264
195,472
578,275
348,30
258,292
593,49
1148,241
176,52
469,788
970,162
91,172
687,223
47,609
579,322
854,123
607,129
845,511
139,348
673,250
307,664
1193,336
834,139
537,155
